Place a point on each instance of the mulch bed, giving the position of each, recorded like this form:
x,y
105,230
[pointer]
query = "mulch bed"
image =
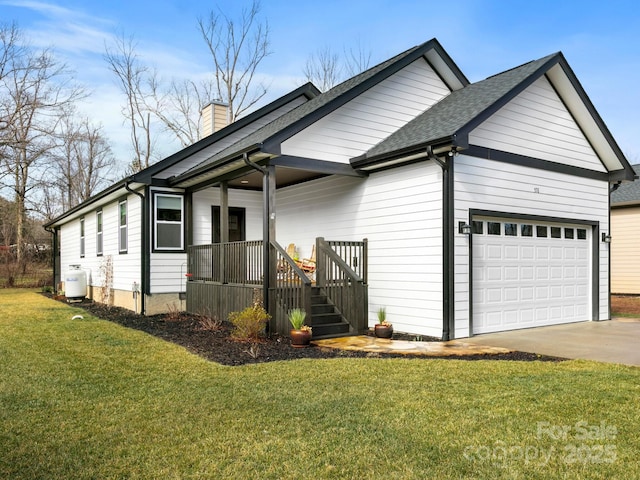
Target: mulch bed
x,y
216,344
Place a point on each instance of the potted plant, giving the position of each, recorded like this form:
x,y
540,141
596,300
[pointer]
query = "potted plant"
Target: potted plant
x,y
383,329
300,333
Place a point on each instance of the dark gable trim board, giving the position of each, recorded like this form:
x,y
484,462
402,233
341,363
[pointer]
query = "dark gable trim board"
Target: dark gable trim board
x,y
595,252
272,144
318,166
525,161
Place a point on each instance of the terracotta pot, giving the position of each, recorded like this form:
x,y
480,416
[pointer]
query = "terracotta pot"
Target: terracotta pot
x,y
300,338
383,331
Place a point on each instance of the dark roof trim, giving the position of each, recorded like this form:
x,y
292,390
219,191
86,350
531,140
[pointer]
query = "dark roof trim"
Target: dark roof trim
x,y
272,144
364,161
313,165
308,90
463,133
525,161
180,180
103,194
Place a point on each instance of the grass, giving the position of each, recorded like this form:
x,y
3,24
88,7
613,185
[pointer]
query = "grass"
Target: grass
x,y
89,399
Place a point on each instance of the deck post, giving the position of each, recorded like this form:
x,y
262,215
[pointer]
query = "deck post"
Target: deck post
x,y
224,229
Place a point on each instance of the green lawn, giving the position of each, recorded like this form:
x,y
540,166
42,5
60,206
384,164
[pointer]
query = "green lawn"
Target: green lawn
x,y
89,399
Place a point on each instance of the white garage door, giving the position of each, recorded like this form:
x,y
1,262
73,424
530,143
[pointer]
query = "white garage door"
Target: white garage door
x,y
528,274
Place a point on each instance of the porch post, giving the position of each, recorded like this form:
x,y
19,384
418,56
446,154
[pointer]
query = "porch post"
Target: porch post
x,y
269,234
224,229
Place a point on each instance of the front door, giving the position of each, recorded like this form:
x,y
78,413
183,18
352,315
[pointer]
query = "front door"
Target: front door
x,y
236,224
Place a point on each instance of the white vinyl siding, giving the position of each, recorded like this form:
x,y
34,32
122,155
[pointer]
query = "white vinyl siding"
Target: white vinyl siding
x,y
206,153
537,124
400,213
488,185
126,268
205,199
366,120
625,250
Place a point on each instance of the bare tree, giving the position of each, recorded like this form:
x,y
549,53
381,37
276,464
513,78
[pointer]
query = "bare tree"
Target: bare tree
x,y
35,91
325,68
180,107
83,162
135,80
237,49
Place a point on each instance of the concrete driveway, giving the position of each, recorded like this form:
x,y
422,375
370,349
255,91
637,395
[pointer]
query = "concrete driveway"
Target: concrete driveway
x,y
612,341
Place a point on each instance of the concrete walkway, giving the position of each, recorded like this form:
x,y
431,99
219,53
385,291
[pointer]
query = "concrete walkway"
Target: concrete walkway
x,y
612,341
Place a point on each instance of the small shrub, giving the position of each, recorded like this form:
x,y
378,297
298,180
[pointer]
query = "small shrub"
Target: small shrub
x,y
173,313
209,322
249,323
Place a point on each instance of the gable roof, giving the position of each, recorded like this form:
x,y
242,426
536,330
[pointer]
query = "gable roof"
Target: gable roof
x,y
448,123
145,177
267,139
627,193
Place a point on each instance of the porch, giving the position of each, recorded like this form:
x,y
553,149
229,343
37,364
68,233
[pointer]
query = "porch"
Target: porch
x,y
223,278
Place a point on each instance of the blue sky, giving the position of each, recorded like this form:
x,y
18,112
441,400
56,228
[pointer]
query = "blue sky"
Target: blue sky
x,y
601,41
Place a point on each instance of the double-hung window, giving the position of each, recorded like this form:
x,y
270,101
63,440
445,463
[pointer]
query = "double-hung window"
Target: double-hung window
x,y
122,226
82,237
99,232
169,222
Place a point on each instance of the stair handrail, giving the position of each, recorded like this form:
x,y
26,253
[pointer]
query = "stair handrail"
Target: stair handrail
x,y
297,282
323,246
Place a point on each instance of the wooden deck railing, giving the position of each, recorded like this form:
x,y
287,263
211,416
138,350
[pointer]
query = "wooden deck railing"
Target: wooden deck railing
x,y
341,271
234,262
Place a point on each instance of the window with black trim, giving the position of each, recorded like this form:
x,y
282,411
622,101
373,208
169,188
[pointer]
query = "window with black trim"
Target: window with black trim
x,y
526,230
556,232
99,233
169,227
82,237
568,233
122,226
582,234
541,231
494,228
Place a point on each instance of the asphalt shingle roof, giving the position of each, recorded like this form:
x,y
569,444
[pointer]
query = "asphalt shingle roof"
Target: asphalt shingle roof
x,y
454,112
627,192
306,109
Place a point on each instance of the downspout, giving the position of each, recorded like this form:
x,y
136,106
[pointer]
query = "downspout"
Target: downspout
x,y
143,247
448,240
266,238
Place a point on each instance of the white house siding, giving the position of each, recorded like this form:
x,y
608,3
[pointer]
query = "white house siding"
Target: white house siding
x,y
205,199
400,213
126,267
208,152
537,124
371,117
495,186
625,256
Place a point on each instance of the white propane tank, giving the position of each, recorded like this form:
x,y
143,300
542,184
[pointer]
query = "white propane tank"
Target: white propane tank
x,y
75,283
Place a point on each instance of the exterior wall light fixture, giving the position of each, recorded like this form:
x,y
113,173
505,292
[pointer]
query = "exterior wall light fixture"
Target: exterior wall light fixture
x,y
464,228
606,238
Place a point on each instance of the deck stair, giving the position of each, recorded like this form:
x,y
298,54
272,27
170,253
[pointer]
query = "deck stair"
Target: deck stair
x,y
326,321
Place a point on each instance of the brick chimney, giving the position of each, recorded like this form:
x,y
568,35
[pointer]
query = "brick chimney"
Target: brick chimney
x,y
215,116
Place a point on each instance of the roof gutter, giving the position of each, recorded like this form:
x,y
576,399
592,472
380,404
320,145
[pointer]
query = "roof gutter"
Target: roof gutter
x,y
144,284
448,252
